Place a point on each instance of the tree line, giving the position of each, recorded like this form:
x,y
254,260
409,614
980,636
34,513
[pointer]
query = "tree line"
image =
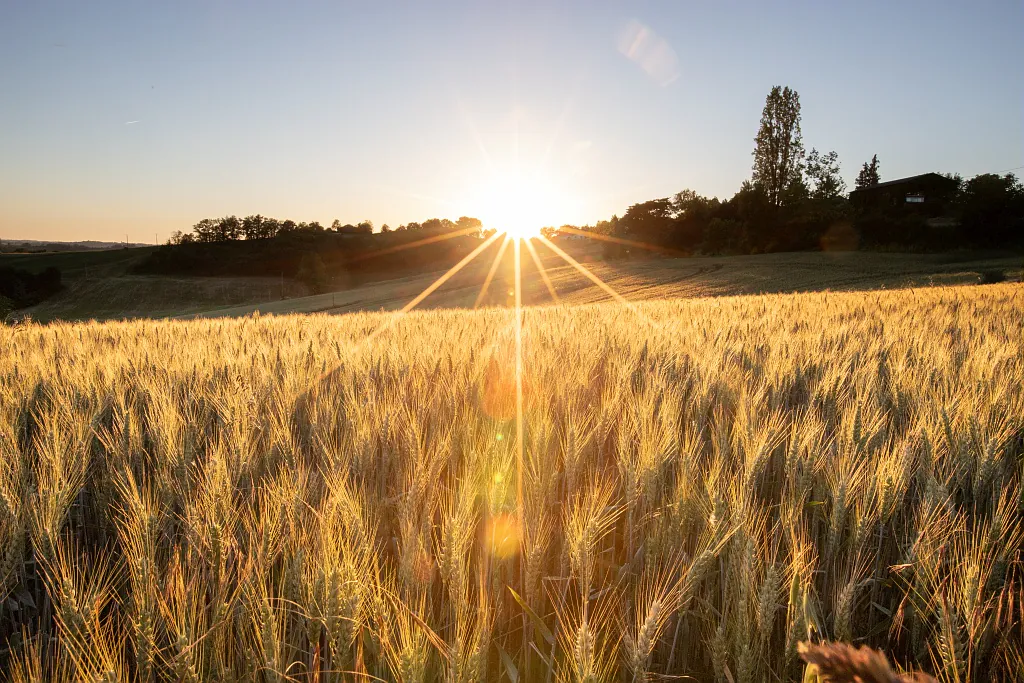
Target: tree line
x,y
257,227
794,200
322,258
797,200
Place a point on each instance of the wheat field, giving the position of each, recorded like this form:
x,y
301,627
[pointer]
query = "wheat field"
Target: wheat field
x,y
700,486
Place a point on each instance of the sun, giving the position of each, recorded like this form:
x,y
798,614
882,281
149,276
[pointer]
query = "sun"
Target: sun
x,y
518,203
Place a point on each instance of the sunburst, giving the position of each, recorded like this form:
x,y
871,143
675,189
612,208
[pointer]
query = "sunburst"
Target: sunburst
x,y
517,243
517,205
518,202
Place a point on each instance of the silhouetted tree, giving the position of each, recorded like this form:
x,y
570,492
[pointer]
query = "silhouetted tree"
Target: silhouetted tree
x,y
991,210
725,235
692,213
649,221
256,228
228,228
868,175
473,226
436,225
779,151
795,193
205,230
385,228
823,172
608,227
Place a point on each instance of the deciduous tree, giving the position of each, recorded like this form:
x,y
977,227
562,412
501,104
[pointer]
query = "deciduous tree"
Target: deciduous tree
x,y
472,226
823,172
228,228
253,227
206,230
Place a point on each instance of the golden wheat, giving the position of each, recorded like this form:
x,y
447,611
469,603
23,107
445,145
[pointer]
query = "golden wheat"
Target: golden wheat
x,y
703,486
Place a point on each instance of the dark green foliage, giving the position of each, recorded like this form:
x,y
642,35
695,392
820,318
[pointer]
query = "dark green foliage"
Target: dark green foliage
x,y
313,274
991,277
23,288
346,256
823,172
6,306
991,210
650,222
257,227
218,230
868,175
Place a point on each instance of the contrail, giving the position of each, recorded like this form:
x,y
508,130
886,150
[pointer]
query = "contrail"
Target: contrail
x,y
128,123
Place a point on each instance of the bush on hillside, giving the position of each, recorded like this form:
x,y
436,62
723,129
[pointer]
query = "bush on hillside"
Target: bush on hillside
x,y
25,288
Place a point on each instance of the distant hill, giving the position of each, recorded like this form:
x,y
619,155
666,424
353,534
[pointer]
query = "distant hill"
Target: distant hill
x,y
48,245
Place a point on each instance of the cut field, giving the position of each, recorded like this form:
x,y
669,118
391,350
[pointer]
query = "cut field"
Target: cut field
x,y
680,488
652,279
100,285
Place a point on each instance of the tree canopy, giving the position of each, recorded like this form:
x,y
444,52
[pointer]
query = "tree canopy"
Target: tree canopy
x,y
868,175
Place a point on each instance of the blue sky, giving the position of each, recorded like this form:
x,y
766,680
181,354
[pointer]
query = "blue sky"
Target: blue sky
x,y
140,118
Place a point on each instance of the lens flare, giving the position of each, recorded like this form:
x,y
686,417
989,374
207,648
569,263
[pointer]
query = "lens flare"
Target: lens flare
x,y
503,536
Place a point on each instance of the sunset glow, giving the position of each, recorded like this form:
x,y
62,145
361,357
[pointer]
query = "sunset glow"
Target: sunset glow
x,y
518,203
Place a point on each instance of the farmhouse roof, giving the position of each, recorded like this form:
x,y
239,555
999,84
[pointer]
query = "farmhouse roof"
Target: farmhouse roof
x,y
907,181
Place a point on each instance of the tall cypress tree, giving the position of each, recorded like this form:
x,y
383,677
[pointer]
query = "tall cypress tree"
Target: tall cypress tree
x,y
779,149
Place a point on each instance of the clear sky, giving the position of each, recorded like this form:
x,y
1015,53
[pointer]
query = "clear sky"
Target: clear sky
x,y
144,117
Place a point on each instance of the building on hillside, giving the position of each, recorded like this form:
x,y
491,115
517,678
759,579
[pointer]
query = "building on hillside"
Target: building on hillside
x,y
928,194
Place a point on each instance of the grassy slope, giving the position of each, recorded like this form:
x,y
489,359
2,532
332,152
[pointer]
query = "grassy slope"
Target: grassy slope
x,y
657,278
100,285
79,264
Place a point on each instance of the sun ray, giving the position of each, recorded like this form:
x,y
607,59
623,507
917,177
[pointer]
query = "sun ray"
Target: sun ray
x,y
586,273
447,276
520,446
543,272
597,281
619,240
412,245
490,273
395,317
